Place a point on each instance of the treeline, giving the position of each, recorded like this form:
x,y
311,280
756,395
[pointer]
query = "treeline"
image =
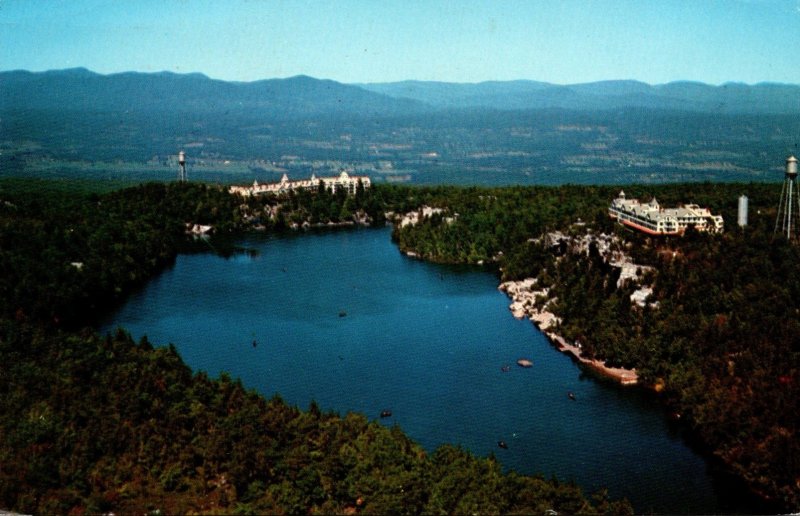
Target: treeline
x,y
479,223
296,208
720,338
92,424
724,341
66,257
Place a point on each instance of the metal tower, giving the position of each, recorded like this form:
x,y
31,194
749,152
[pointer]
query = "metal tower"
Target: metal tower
x,y
788,220
182,163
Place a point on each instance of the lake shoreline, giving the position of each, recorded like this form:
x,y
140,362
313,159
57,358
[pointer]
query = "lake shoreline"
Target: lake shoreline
x,y
524,305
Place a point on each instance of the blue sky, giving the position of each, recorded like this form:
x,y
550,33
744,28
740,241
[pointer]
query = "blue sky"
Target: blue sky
x,y
559,41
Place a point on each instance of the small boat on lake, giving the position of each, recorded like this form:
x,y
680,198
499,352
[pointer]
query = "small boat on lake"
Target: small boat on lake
x,y
502,444
524,362
506,368
386,413
571,396
342,314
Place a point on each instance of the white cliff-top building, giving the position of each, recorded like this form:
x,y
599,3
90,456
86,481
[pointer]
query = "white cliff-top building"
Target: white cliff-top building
x,y
343,181
652,219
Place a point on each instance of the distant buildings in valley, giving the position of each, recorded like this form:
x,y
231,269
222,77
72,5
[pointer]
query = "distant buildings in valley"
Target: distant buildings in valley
x,y
652,219
343,181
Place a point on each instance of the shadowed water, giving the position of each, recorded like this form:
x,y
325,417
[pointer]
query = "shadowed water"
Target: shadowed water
x,y
344,319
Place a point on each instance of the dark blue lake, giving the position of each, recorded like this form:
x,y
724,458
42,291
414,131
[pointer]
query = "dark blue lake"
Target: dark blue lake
x,y
343,318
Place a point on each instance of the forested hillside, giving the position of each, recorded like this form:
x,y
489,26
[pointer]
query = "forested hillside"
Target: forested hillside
x,y
719,337
93,424
97,424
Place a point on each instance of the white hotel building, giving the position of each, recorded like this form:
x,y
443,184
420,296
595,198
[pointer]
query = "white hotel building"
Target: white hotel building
x,y
652,219
343,181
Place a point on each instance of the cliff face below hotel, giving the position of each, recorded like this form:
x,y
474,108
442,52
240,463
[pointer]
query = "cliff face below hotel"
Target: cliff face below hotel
x,y
530,303
535,300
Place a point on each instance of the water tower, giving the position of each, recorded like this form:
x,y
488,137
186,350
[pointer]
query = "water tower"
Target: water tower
x,y
788,220
182,163
742,215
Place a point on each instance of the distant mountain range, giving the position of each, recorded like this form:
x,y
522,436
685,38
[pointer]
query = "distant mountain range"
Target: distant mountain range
x,y
82,90
79,89
684,96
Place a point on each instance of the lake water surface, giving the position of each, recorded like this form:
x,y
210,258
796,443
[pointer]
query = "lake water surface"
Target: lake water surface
x,y
343,318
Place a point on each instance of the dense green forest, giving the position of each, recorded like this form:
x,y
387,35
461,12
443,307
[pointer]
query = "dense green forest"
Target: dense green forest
x,y
92,424
720,339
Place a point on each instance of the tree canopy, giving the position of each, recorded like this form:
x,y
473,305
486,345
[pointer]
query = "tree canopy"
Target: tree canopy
x,y
97,424
721,336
